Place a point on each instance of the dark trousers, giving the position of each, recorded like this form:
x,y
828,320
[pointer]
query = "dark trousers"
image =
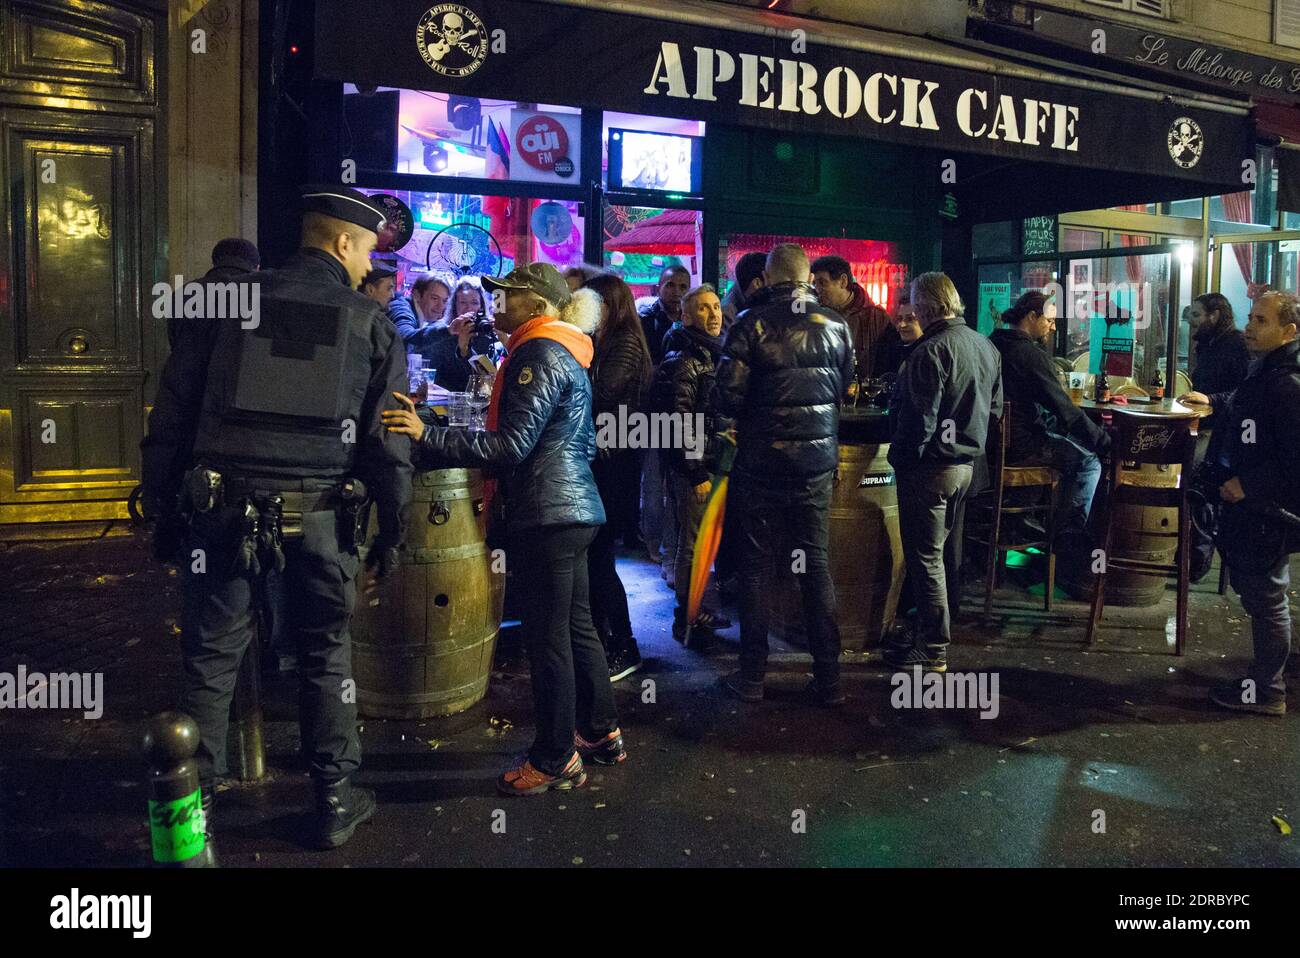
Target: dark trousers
x,y
608,597
1264,597
931,514
1080,472
319,593
776,518
571,688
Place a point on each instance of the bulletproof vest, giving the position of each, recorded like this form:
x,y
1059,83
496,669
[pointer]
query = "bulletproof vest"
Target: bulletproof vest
x,y
285,398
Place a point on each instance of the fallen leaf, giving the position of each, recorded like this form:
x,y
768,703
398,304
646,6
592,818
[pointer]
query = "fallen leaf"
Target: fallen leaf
x,y
1282,825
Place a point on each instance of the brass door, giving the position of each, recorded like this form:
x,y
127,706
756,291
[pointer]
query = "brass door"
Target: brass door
x,y
78,255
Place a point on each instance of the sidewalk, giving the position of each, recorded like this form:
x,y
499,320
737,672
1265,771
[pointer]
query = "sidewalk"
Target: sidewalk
x,y
1123,728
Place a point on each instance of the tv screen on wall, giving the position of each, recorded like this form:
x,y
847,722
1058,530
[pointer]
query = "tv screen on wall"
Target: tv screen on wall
x,y
655,162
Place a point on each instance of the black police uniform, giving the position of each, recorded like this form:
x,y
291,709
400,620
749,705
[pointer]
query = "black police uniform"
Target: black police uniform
x,y
288,414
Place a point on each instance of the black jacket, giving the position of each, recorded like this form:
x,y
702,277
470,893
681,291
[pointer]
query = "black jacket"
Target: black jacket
x,y
656,322
442,352
1221,365
543,444
1038,403
1269,398
947,389
619,376
684,386
785,366
188,420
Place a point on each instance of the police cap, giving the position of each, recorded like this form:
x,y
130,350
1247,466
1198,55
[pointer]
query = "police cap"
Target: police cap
x,y
344,204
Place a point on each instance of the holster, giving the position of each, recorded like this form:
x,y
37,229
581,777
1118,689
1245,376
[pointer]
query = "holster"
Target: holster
x,y
356,514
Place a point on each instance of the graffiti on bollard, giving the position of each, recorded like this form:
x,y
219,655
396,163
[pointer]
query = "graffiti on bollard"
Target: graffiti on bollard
x,y
176,814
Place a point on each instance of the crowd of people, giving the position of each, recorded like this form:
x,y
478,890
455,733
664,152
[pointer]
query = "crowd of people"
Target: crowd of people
x,y
767,368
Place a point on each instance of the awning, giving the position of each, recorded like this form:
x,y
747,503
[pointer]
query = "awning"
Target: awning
x,y
1024,140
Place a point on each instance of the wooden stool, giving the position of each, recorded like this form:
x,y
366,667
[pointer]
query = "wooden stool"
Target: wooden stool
x,y
1015,477
1140,440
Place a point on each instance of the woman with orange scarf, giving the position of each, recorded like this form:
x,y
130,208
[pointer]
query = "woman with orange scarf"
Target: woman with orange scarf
x,y
540,440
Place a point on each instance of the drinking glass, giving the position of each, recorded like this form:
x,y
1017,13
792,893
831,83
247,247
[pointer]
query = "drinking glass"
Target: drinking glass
x,y
458,409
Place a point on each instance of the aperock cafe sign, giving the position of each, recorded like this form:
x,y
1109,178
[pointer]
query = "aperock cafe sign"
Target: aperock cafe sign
x,y
548,53
1175,57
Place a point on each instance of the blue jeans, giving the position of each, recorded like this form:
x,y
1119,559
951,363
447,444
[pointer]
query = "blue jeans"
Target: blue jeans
x,y
1264,597
1080,472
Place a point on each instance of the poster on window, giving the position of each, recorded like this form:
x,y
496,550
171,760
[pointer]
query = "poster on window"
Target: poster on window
x,y
546,146
995,299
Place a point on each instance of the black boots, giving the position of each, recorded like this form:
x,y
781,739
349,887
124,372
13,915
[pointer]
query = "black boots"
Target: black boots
x,y
340,808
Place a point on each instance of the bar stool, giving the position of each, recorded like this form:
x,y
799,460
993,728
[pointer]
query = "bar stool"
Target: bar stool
x,y
1142,440
1006,477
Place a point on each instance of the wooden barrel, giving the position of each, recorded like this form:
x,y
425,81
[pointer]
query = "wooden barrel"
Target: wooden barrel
x,y
1132,539
425,648
866,553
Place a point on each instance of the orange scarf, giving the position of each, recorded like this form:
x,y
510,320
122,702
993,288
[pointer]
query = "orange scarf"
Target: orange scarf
x,y
570,337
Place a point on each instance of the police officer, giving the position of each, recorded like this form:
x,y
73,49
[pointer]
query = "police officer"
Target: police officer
x,y
265,437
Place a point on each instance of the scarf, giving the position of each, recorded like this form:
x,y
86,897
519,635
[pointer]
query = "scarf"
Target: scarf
x,y
567,335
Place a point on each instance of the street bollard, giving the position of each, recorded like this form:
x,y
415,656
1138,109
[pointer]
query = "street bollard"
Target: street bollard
x,y
247,744
176,820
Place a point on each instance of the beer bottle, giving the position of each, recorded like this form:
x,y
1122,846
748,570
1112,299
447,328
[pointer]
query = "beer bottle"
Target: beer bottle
x,y
1101,388
1158,385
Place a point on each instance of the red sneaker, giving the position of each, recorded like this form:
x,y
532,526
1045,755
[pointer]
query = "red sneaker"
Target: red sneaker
x,y
527,780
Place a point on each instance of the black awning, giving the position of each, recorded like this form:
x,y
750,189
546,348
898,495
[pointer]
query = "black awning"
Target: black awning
x,y
836,80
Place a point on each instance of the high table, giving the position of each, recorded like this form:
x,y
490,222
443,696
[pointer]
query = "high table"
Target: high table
x,y
1133,524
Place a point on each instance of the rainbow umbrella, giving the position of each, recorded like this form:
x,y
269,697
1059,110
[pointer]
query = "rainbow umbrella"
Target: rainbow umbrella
x,y
710,535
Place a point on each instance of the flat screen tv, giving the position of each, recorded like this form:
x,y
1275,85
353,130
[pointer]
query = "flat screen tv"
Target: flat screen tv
x,y
655,162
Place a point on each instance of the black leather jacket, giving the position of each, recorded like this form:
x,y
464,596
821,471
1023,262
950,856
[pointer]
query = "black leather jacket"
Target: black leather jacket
x,y
543,445
785,366
684,385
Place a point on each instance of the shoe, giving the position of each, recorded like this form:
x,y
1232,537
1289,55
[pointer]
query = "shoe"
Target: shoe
x,y
608,750
898,639
1230,697
827,696
747,690
340,808
528,780
624,663
714,621
700,638
903,660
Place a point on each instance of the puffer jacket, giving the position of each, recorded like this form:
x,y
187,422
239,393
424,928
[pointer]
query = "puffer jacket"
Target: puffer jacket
x,y
619,375
542,447
684,386
785,366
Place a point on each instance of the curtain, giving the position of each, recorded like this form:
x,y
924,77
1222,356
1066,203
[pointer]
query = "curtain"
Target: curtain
x,y
1236,207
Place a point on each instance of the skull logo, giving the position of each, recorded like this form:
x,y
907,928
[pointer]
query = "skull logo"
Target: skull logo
x,y
452,40
1185,142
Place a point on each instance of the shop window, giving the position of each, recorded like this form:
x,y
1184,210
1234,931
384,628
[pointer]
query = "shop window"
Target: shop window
x,y
878,266
1119,239
1074,239
441,134
640,242
468,234
661,162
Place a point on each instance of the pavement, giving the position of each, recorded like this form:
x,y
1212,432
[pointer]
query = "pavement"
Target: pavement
x,y
1102,756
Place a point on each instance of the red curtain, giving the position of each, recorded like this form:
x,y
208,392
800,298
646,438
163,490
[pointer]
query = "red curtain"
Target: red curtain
x,y
1236,206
